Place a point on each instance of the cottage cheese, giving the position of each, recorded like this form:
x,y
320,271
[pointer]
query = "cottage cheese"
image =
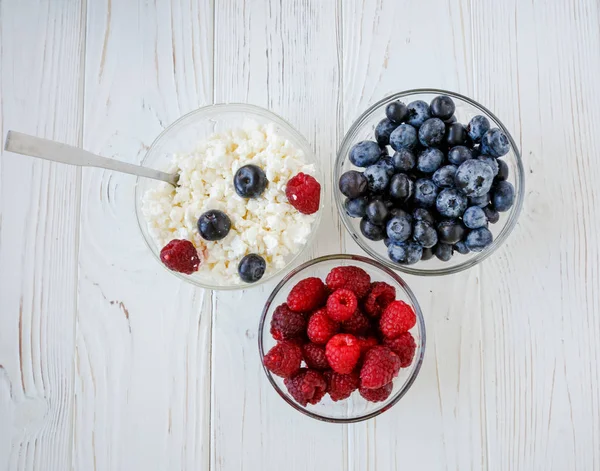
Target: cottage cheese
x,y
269,225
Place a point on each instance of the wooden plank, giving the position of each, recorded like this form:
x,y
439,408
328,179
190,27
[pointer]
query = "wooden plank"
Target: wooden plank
x,y
40,92
389,47
143,336
536,64
283,56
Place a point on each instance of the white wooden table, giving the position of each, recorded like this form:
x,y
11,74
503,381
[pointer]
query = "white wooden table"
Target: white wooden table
x,y
109,363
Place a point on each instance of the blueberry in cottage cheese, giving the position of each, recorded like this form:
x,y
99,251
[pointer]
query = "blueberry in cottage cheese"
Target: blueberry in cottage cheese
x,y
252,268
268,225
250,181
214,225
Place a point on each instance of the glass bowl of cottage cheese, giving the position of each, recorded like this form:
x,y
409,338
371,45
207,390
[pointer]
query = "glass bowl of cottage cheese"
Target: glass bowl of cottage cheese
x,y
206,148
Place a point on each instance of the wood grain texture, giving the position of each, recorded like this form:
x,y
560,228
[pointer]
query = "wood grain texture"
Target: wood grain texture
x,y
541,327
266,53
41,59
388,47
143,337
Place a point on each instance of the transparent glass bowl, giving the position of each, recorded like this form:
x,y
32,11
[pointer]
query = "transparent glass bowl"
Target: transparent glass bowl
x,y
363,129
355,408
183,136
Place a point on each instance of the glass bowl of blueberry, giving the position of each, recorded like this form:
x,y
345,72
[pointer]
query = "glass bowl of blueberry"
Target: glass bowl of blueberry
x,y
342,338
429,182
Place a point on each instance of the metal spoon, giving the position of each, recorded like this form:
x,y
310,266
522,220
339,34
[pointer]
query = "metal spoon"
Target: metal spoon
x,y
58,152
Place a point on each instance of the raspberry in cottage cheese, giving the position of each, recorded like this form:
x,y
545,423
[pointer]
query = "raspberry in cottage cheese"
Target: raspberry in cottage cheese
x,y
267,225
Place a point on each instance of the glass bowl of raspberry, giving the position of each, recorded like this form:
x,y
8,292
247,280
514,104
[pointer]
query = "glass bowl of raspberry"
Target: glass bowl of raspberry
x,y
429,182
248,200
342,338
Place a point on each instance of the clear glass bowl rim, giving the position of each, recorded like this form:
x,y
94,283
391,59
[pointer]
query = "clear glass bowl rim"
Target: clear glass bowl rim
x,y
242,108
509,225
420,322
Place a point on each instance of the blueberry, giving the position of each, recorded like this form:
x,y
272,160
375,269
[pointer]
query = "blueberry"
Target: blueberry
x,y
403,137
459,154
399,213
491,214
357,207
495,143
477,127
450,120
387,163
396,112
371,231
399,229
250,181
481,201
427,254
479,239
425,193
456,135
491,161
376,212
430,160
353,184
443,252
474,217
431,133
214,225
421,214
444,176
450,231
404,160
401,187
474,178
503,196
451,203
365,153
377,178
502,170
424,234
418,113
461,247
387,241
406,253
252,268
442,107
383,131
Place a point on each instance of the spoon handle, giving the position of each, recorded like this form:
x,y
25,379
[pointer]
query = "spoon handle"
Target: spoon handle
x,y
58,152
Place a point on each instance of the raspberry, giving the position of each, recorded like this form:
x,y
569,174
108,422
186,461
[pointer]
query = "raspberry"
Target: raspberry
x,y
397,318
180,255
366,343
340,386
380,366
380,296
307,295
353,278
321,328
304,193
314,356
343,352
287,324
404,346
377,395
284,359
341,305
357,324
306,386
